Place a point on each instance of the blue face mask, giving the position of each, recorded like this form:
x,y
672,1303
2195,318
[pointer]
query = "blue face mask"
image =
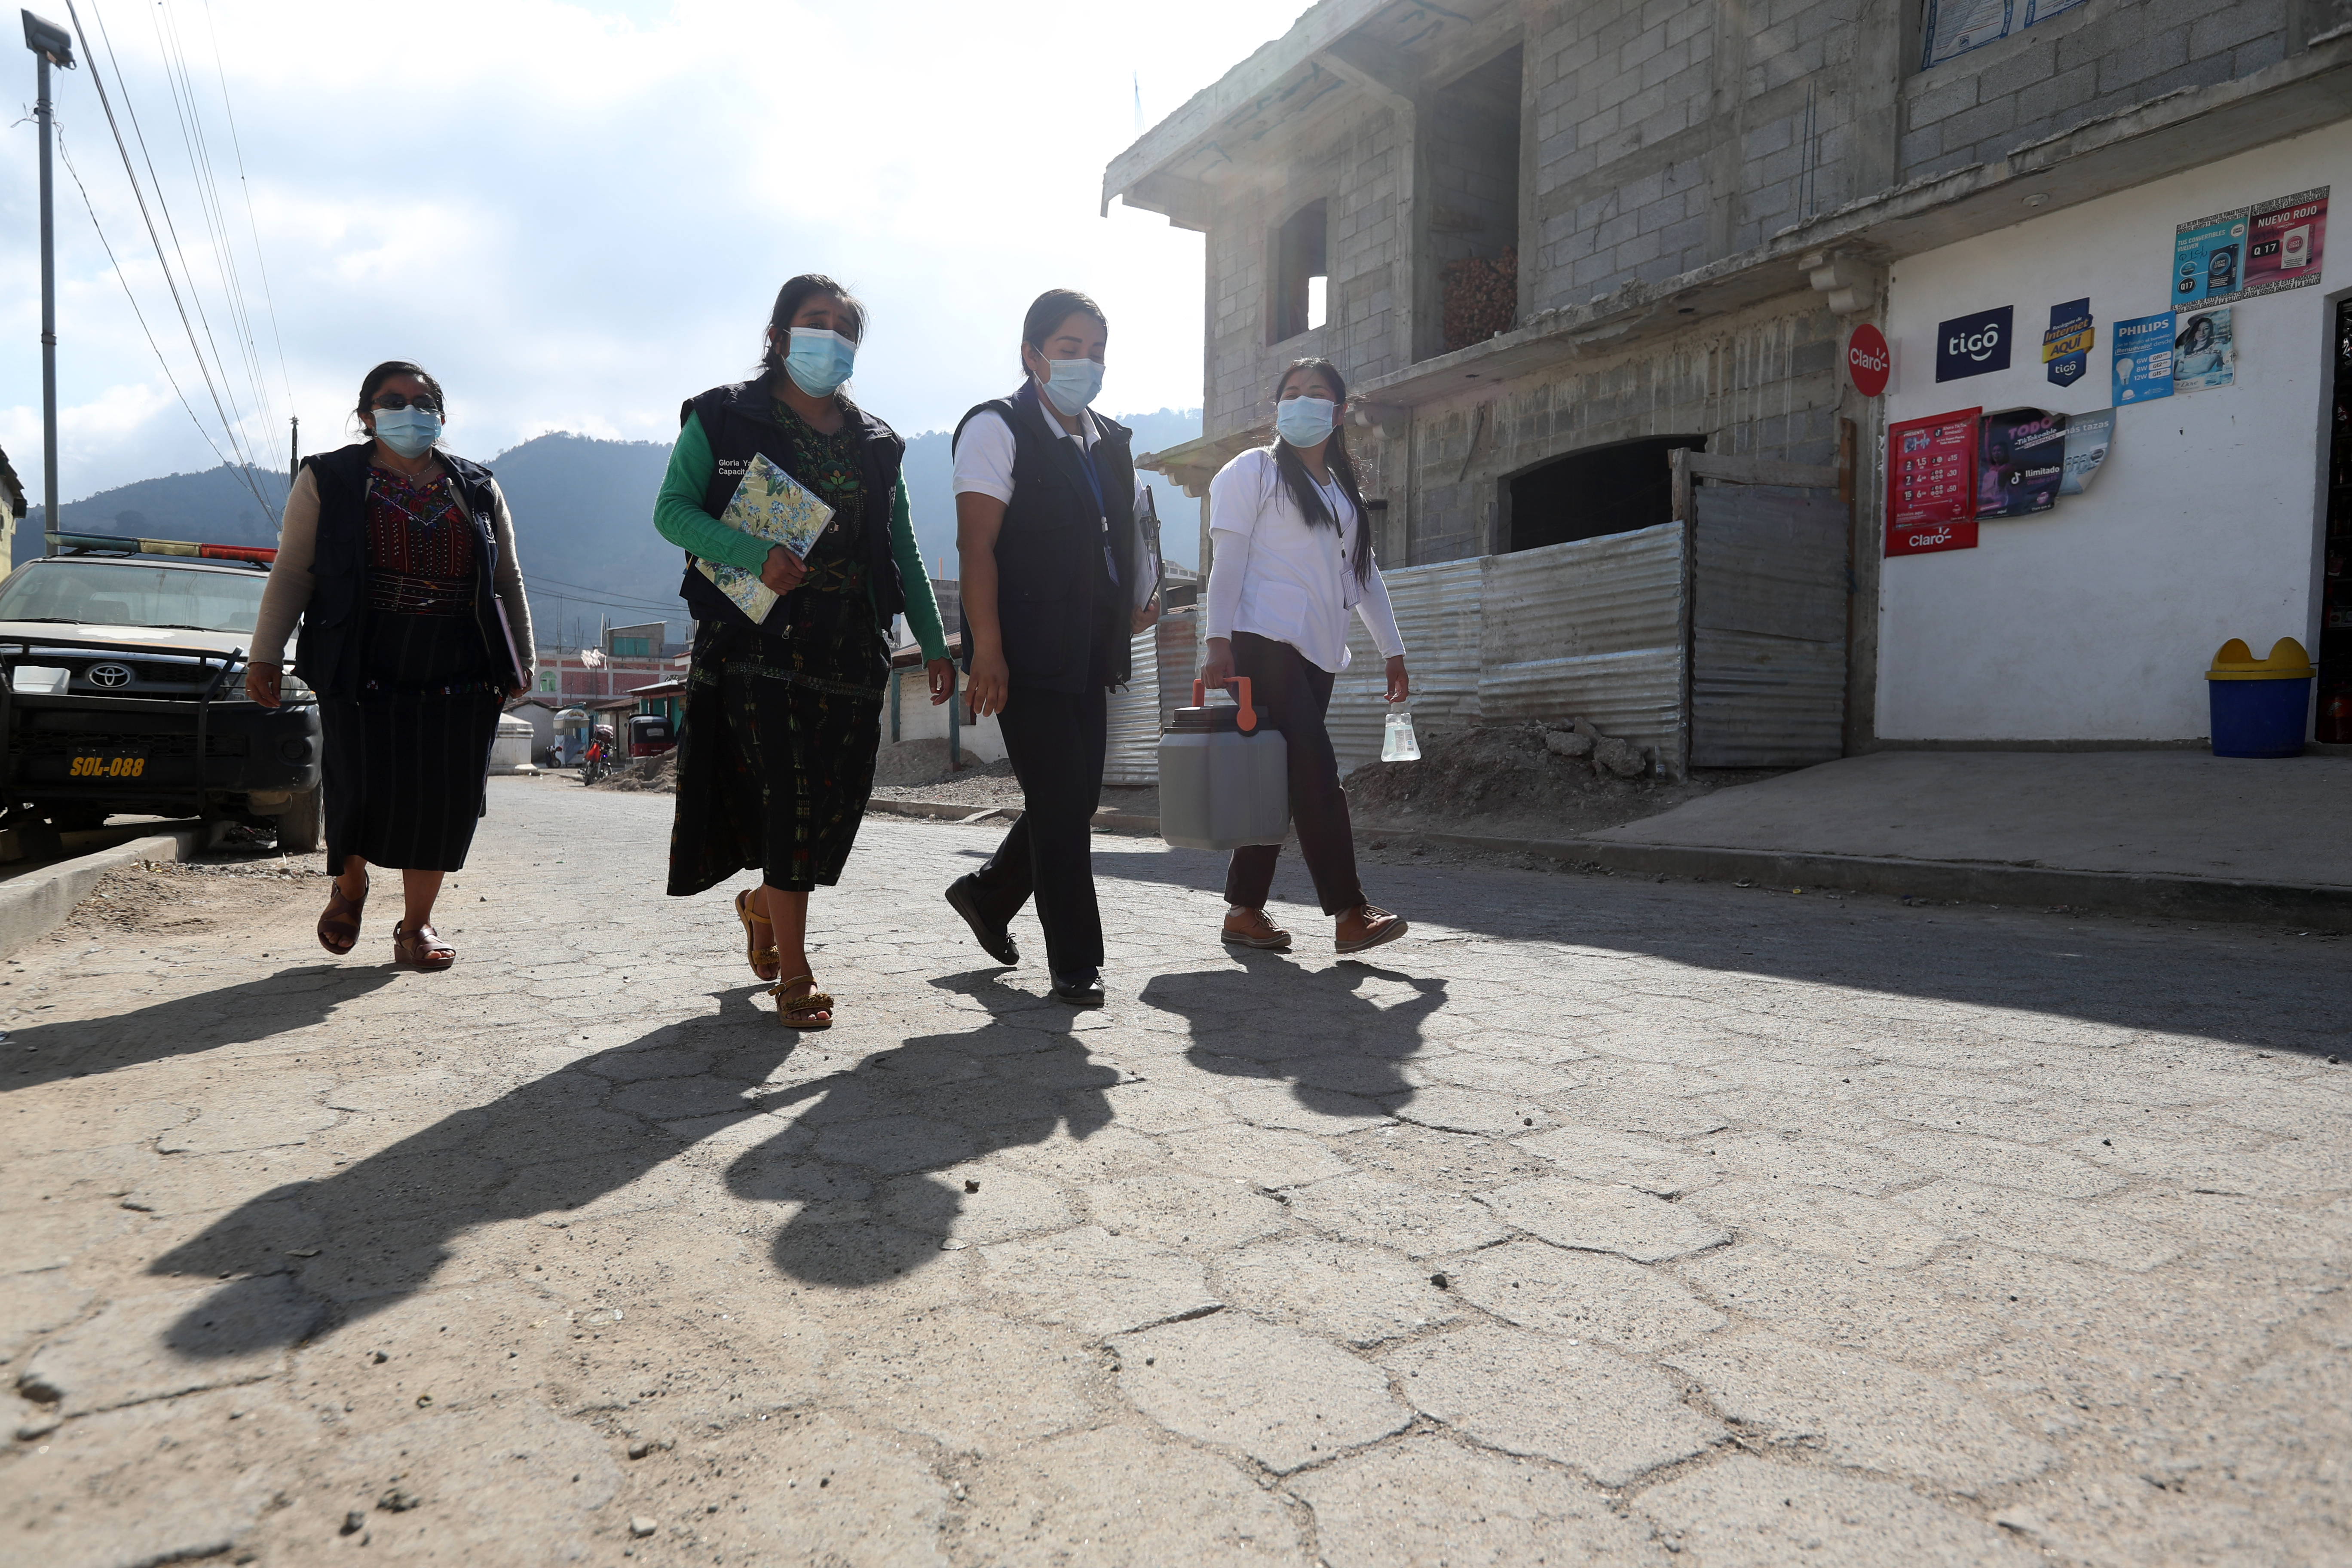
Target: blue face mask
x,y
407,431
1304,421
1074,385
819,361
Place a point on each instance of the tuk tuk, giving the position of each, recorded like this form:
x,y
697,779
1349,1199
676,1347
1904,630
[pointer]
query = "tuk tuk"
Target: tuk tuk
x,y
650,734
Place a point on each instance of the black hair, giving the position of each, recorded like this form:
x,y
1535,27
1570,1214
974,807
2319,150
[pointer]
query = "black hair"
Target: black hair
x,y
1335,452
796,292
372,383
2188,333
1053,307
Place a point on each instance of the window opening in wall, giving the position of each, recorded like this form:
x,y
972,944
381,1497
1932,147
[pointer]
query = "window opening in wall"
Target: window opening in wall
x,y
1472,232
1949,29
1606,490
1300,272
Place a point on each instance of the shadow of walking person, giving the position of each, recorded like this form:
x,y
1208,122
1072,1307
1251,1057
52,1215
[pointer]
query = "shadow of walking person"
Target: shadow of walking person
x,y
377,1231
872,1160
1339,1037
292,999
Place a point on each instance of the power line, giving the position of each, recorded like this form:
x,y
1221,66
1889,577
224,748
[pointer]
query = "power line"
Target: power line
x,y
122,277
97,78
253,226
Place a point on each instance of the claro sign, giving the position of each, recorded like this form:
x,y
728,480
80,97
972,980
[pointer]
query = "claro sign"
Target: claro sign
x,y
1868,359
1972,345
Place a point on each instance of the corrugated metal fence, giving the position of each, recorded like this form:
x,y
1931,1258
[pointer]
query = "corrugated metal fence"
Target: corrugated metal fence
x,y
1437,611
1591,629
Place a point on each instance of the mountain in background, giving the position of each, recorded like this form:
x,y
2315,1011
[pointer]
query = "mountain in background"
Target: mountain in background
x,y
583,519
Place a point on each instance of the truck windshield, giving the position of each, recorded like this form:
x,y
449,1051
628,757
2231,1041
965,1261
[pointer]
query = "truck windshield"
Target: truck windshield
x,y
119,594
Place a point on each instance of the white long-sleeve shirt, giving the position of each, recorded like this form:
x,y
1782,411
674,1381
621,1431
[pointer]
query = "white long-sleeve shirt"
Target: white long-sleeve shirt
x,y
1272,572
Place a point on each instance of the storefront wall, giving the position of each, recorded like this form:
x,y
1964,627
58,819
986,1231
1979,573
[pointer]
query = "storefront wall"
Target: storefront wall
x,y
2093,622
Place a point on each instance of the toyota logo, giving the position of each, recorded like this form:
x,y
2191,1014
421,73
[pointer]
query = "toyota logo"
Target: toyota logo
x,y
109,675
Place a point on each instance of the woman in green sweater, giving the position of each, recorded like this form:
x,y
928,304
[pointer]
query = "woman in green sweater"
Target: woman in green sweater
x,y
783,714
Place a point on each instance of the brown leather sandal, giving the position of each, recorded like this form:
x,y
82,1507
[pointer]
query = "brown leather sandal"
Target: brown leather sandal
x,y
339,928
422,948
796,1013
763,960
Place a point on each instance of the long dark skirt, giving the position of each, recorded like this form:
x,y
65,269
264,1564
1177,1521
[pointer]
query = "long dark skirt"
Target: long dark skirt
x,y
403,776
777,756
405,760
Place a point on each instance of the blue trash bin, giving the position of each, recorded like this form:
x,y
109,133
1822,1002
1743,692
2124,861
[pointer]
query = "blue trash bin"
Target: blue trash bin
x,y
2261,707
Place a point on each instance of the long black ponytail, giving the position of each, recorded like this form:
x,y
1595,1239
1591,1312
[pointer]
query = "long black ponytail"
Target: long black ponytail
x,y
1302,488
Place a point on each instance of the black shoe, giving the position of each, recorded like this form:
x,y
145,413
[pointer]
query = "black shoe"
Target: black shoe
x,y
1079,988
993,938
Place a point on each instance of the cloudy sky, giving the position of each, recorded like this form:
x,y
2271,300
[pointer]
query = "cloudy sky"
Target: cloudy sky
x,y
577,215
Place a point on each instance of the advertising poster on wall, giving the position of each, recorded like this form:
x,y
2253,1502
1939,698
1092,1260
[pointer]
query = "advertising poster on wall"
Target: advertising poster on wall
x,y
2250,250
2143,359
2204,351
1974,344
2066,346
1931,468
1956,27
2021,459
2088,437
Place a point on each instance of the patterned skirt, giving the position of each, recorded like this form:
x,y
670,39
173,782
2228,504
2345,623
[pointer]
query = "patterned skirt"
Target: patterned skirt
x,y
775,758
404,761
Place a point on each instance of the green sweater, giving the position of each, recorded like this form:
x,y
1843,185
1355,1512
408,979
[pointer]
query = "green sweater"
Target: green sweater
x,y
679,517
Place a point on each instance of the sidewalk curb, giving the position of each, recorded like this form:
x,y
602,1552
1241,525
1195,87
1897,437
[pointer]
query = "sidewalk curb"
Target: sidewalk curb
x,y
1114,821
36,903
1975,882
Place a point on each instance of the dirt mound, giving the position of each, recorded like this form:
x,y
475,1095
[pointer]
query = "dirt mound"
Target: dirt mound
x,y
1552,780
917,762
170,897
656,773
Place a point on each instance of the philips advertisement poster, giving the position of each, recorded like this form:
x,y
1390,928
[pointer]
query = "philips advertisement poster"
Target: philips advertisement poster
x,y
2020,460
2088,437
2250,250
2143,359
2204,356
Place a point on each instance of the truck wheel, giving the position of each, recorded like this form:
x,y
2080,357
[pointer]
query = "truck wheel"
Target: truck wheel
x,y
297,825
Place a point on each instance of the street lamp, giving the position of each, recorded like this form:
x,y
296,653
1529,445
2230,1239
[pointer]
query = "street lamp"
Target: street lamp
x,y
51,45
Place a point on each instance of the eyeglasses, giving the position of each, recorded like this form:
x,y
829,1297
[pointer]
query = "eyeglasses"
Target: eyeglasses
x,y
392,400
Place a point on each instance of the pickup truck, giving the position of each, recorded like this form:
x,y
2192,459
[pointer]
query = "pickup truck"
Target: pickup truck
x,y
123,690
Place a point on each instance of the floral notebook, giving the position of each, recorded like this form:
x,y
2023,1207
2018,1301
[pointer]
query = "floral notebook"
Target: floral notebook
x,y
769,504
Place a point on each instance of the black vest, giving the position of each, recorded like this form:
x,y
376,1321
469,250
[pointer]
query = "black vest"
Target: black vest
x,y
1056,607
738,422
326,651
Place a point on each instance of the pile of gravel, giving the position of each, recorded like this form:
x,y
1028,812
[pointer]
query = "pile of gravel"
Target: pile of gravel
x,y
659,775
1563,775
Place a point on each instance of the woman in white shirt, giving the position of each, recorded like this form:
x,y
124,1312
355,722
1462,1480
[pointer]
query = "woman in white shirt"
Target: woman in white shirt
x,y
1290,557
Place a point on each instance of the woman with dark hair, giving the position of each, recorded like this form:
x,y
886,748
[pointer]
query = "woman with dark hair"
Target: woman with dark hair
x,y
783,716
399,562
1055,583
1291,554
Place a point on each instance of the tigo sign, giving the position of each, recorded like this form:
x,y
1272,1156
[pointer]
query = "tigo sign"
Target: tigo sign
x,y
1972,345
1868,359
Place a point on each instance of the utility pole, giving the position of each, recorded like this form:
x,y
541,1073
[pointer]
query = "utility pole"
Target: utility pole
x,y
51,45
293,452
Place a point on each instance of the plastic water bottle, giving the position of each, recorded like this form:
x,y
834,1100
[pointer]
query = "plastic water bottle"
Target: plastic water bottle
x,y
1398,745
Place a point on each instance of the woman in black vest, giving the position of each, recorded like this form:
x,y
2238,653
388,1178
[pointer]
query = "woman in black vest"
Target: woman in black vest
x,y
1054,584
783,715
399,561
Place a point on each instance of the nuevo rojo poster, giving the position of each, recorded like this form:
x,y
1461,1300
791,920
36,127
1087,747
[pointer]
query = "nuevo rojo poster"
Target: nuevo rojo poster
x,y
2143,359
2021,459
1931,483
2250,250
2204,351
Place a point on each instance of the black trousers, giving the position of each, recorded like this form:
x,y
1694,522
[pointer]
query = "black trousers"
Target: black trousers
x,y
1294,695
1055,740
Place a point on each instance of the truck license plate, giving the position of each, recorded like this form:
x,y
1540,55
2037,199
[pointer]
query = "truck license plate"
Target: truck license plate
x,y
123,765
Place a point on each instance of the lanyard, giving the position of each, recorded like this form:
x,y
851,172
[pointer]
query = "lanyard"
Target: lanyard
x,y
1102,512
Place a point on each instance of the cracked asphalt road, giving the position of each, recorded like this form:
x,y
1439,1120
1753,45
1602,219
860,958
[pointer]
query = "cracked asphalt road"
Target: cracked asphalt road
x,y
1601,1221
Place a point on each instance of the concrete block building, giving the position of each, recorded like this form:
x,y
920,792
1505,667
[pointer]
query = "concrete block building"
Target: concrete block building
x,y
1549,242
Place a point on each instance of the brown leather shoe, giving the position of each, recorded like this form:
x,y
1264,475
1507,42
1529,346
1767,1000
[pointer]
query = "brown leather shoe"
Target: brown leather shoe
x,y
1368,925
1250,927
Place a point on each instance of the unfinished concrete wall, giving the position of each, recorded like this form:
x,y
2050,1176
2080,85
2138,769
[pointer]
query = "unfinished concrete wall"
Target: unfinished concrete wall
x,y
2095,59
1764,384
1474,159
